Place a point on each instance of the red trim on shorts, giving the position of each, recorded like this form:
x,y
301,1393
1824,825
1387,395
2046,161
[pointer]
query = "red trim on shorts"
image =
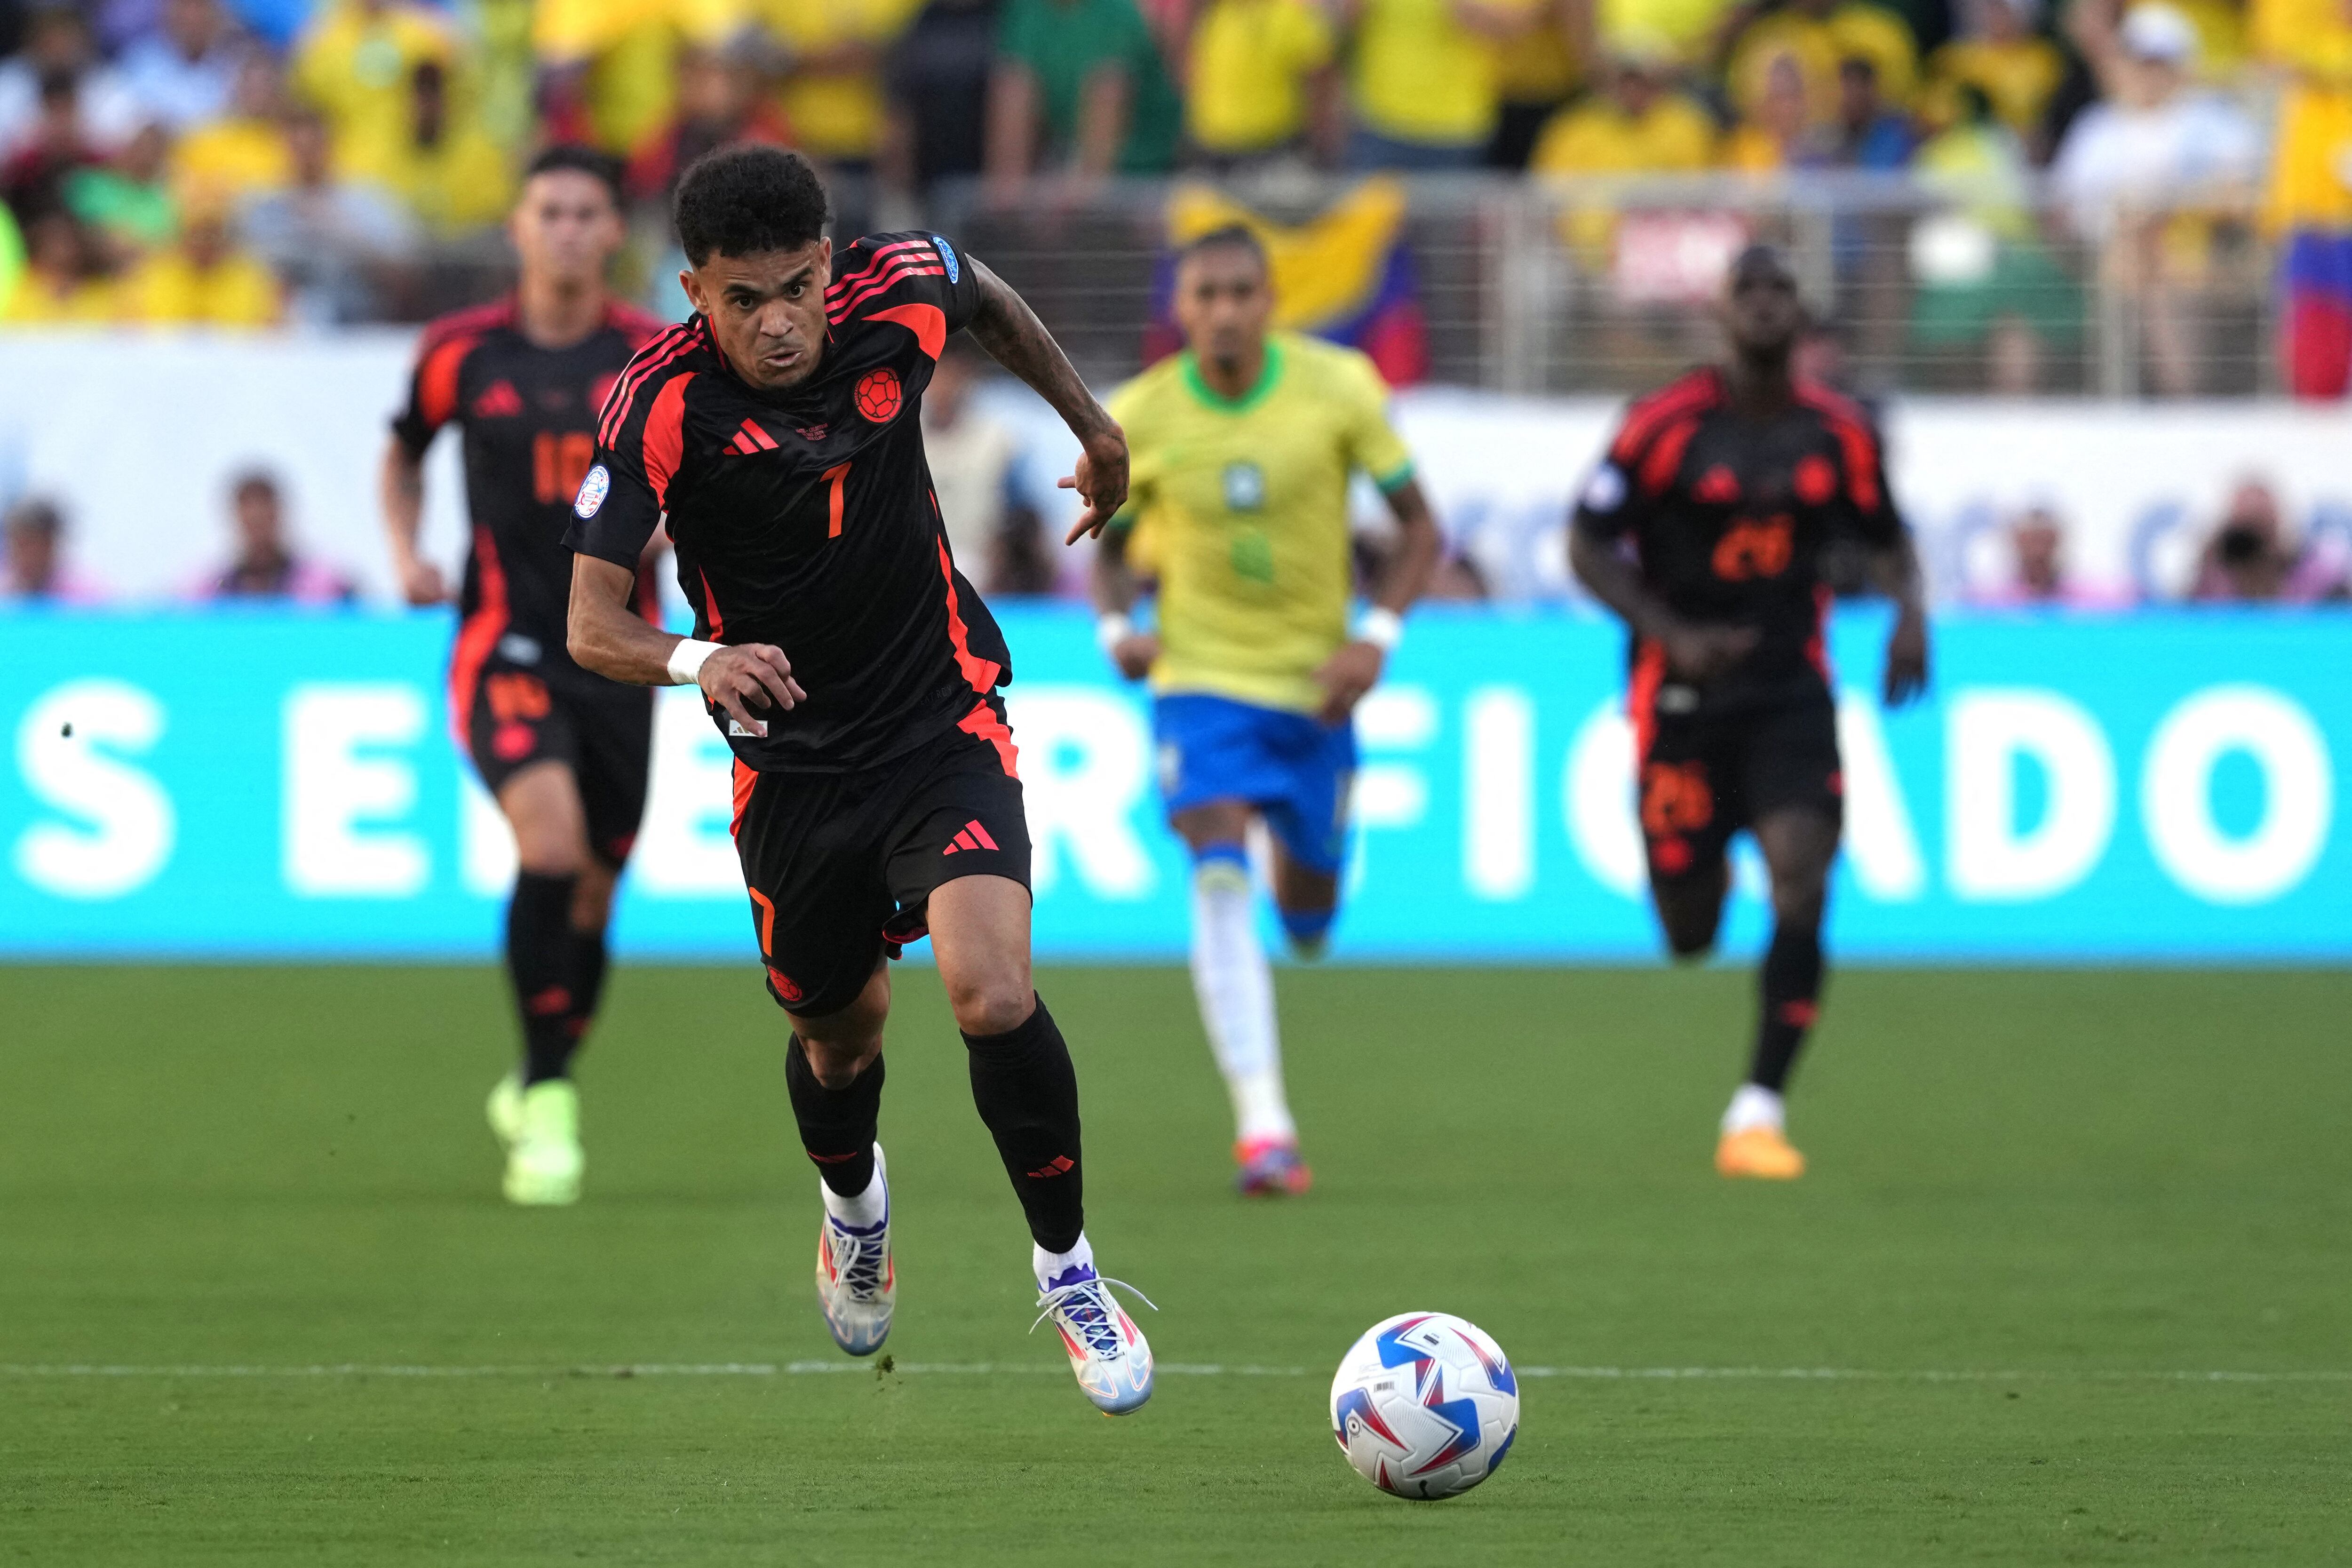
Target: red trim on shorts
x,y
747,778
983,723
1642,696
980,674
477,637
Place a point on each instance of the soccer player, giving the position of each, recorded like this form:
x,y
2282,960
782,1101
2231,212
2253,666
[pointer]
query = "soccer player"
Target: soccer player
x,y
564,750
855,673
1244,444
1704,529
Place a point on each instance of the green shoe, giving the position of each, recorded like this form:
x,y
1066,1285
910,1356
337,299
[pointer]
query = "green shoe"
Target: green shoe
x,y
505,1111
544,1158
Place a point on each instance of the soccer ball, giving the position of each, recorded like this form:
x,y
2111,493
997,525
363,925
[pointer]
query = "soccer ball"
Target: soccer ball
x,y
1426,1405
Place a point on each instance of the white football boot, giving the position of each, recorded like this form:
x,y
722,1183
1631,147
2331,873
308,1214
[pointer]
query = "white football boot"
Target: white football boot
x,y
857,1283
1108,1351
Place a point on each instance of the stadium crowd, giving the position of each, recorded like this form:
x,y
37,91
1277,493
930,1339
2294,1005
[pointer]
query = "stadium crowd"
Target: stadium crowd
x,y
246,163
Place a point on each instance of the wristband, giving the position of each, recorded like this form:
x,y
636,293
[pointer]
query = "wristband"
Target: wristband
x,y
686,660
1382,628
1113,629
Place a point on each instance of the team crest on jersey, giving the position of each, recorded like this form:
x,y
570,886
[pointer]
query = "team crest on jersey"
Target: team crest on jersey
x,y
878,395
948,259
1245,487
593,492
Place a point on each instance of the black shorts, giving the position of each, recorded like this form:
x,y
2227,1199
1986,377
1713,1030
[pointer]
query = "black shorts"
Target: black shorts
x,y
841,867
1705,775
601,730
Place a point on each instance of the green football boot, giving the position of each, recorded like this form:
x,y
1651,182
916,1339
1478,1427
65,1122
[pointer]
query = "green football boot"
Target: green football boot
x,y
540,1128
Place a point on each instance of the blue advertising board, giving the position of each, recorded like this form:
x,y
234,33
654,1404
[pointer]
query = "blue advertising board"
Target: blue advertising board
x,y
2151,788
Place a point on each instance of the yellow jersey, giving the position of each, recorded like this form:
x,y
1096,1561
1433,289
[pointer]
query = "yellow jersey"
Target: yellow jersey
x,y
1250,63
1239,506
1422,76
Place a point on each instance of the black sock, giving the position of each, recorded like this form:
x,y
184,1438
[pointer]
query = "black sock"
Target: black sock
x,y
1027,1093
1792,985
837,1124
588,964
539,962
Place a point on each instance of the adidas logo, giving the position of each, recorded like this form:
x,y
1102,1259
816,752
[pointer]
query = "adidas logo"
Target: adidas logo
x,y
750,439
500,401
972,836
1062,1165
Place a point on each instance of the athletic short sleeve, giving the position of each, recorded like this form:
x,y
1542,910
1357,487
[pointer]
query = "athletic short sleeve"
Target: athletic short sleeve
x,y
620,501
1373,444
432,390
1863,457
901,278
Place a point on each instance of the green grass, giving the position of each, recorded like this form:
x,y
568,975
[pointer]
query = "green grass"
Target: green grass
x,y
2085,1180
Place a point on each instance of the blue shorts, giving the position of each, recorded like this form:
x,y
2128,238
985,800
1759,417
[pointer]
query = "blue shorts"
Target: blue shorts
x,y
1293,767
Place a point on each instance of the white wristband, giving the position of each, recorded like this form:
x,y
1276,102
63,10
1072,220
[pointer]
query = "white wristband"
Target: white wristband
x,y
1382,628
686,660
1113,629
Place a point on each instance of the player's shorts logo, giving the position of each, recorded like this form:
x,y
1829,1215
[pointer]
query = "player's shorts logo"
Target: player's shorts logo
x,y
878,395
593,492
1245,487
948,259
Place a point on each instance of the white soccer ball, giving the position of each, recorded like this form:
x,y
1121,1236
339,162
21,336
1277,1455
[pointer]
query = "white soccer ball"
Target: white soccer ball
x,y
1426,1405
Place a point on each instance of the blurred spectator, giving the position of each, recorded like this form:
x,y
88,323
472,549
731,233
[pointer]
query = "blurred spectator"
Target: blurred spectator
x,y
1777,131
1985,284
35,571
1259,82
356,63
2154,144
1870,133
2002,56
1639,125
718,101
936,82
204,281
975,468
127,202
1815,34
33,177
1537,75
2039,573
66,282
2307,203
184,73
452,176
831,93
265,565
245,151
2250,559
608,69
57,39
339,245
1424,79
1078,89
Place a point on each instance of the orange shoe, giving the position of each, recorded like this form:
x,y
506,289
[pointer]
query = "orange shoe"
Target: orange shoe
x,y
1762,1152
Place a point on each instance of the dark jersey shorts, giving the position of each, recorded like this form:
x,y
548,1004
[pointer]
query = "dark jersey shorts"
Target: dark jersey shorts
x,y
1705,771
841,867
601,730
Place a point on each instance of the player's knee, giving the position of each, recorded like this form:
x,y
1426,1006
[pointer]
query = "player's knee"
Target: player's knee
x,y
591,899
836,1063
992,1004
1798,897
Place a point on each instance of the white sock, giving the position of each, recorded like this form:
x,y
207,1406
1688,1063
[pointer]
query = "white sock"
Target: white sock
x,y
1049,1264
865,1210
1235,987
1754,1106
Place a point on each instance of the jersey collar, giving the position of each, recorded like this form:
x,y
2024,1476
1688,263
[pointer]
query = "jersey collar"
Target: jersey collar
x,y
1212,398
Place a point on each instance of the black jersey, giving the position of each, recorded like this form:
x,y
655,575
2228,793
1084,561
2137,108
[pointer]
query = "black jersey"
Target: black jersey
x,y
805,517
528,417
1729,513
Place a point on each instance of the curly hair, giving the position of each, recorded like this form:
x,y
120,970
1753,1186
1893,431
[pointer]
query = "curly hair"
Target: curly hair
x,y
746,200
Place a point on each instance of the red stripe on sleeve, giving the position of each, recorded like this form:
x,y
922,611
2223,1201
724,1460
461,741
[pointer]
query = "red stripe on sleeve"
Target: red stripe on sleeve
x,y
928,322
1665,459
841,285
898,273
436,379
666,435
1653,414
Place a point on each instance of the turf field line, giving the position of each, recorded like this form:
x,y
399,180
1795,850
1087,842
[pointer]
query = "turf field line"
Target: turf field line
x,y
1177,1369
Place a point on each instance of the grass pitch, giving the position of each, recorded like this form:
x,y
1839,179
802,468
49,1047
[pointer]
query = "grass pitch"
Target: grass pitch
x,y
2044,1208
